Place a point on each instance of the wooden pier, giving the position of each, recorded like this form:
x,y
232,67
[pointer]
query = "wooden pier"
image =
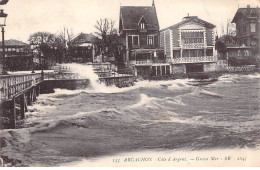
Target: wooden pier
x,y
16,93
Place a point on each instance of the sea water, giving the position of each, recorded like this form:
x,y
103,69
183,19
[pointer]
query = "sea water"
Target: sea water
x,y
74,125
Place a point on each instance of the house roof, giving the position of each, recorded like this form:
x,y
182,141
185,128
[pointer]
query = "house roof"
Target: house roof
x,y
13,42
189,19
131,15
84,38
246,12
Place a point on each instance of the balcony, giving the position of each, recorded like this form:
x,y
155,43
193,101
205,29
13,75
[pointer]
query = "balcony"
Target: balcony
x,y
148,62
194,59
150,46
141,62
193,45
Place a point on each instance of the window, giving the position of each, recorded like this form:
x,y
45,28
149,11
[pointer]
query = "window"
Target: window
x,y
136,40
209,52
193,53
176,54
245,42
244,29
192,37
201,53
133,40
253,27
185,53
150,39
142,25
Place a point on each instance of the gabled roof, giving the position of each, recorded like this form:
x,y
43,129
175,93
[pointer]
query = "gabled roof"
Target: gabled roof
x,y
142,18
189,19
246,12
15,43
131,15
84,38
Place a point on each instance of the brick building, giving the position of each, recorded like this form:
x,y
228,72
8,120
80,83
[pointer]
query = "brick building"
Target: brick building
x,y
139,32
247,22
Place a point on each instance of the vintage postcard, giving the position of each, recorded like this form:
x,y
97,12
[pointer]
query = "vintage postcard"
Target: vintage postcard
x,y
129,83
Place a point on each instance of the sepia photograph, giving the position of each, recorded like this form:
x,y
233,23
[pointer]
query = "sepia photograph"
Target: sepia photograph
x,y
129,83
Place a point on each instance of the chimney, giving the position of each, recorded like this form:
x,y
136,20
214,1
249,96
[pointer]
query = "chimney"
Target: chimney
x,y
248,9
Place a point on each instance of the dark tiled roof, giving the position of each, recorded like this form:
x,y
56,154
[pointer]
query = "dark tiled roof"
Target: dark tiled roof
x,y
131,15
189,19
247,12
84,38
13,42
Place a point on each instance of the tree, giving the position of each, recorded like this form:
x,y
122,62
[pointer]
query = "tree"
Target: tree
x,y
63,37
104,26
110,39
46,45
228,32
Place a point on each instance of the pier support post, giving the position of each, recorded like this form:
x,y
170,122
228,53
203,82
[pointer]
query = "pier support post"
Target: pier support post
x,y
22,105
37,90
34,93
29,97
12,114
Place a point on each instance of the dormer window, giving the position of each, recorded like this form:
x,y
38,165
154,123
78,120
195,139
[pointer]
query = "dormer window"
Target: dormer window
x,y
142,25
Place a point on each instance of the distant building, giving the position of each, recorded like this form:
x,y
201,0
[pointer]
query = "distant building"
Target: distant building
x,y
234,55
84,48
189,46
17,55
139,31
247,22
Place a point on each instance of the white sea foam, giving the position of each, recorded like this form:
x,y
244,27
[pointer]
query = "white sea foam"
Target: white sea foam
x,y
144,99
174,100
231,78
253,76
201,92
86,71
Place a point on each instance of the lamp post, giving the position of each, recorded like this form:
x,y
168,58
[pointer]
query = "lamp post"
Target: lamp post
x,y
32,45
55,53
2,24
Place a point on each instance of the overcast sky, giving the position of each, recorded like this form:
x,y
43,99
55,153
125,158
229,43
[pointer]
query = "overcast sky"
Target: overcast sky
x,y
28,16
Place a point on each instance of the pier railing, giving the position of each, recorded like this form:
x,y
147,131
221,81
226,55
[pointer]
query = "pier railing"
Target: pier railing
x,y
11,85
101,74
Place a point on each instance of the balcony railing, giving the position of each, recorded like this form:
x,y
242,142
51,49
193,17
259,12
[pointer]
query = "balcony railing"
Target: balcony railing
x,y
193,45
194,59
141,62
147,62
